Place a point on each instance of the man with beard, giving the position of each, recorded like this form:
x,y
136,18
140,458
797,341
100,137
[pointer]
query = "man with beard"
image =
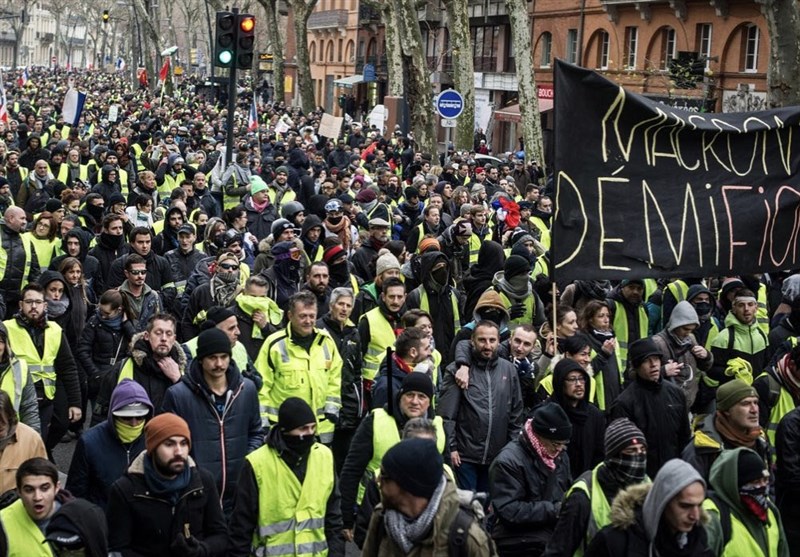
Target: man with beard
x,y
290,476
587,504
413,347
21,264
110,246
221,291
165,504
203,196
184,258
167,239
139,300
368,297
317,279
629,318
377,328
368,252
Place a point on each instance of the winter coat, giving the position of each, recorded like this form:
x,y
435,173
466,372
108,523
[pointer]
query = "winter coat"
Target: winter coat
x,y
159,276
659,410
100,348
480,420
749,343
106,256
526,494
182,264
91,265
361,259
259,223
141,523
149,306
228,433
11,244
787,473
349,345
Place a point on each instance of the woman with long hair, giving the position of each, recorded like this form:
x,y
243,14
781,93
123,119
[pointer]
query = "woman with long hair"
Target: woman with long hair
x,y
595,322
81,298
43,237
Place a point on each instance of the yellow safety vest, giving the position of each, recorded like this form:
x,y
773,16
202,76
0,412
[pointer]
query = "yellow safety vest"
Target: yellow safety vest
x,y
784,405
170,183
425,305
762,313
41,367
385,436
544,232
239,353
527,317
44,249
381,337
474,247
679,290
621,332
14,380
741,543
26,246
291,516
63,173
25,539
137,154
231,201
547,384
601,510
287,197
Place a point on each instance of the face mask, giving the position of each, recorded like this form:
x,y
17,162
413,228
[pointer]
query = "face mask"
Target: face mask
x,y
628,469
685,341
440,275
95,211
702,308
334,220
113,242
57,308
757,493
299,444
201,231
128,433
227,276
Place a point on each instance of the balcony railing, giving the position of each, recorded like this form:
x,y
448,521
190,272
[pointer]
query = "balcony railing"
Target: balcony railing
x,y
367,14
329,19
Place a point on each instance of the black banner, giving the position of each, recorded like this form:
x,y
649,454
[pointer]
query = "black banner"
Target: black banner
x,y
645,190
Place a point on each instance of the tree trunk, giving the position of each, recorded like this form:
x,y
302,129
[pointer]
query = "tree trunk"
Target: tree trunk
x,y
394,51
275,45
783,72
149,41
463,71
528,98
418,89
301,12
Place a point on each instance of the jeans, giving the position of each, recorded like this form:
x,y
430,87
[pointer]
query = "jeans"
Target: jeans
x,y
473,477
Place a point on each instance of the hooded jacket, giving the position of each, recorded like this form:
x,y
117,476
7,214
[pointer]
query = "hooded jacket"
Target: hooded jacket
x,y
89,521
28,410
226,428
636,528
100,457
738,340
724,480
167,239
479,277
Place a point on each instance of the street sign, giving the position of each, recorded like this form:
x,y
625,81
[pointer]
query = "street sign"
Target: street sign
x,y
449,104
449,122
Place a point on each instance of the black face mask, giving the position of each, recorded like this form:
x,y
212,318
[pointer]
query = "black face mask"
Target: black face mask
x,y
299,445
110,240
702,308
95,211
201,231
334,220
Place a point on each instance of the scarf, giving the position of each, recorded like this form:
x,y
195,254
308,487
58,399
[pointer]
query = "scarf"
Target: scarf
x,y
115,323
404,532
787,373
251,304
754,499
341,229
736,435
166,487
628,469
57,308
259,207
547,457
224,288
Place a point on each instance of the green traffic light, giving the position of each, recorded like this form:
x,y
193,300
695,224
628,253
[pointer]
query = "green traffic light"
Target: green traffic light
x,y
225,57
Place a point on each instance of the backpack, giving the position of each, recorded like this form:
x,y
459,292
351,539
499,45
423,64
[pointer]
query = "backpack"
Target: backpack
x,y
470,510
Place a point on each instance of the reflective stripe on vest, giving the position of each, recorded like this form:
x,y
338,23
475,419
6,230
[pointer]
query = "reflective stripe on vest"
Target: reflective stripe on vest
x,y
425,305
26,246
679,290
137,155
474,248
621,331
24,537
40,367
381,337
784,405
601,510
762,313
14,380
291,516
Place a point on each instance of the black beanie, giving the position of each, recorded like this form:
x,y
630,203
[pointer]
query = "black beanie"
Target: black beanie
x,y
751,467
516,265
293,413
551,422
212,341
218,314
419,383
415,465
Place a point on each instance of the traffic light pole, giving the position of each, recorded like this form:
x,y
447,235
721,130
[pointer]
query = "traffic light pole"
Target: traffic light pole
x,y
231,105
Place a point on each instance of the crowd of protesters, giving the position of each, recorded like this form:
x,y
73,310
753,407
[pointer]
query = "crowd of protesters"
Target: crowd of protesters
x,y
337,340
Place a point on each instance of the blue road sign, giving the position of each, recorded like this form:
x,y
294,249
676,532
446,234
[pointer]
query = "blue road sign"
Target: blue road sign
x,y
449,104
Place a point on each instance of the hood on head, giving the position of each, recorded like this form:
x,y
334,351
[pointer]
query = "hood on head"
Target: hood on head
x,y
683,314
697,289
564,367
491,257
428,261
672,478
173,210
312,221
49,276
724,477
82,239
127,392
490,299
106,170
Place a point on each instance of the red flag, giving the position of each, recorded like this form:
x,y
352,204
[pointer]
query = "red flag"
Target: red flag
x,y
162,75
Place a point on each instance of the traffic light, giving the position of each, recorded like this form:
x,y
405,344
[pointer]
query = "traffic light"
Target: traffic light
x,y
225,43
245,41
105,16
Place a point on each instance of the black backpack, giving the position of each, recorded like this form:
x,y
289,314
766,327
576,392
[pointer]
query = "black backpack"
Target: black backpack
x,y
468,513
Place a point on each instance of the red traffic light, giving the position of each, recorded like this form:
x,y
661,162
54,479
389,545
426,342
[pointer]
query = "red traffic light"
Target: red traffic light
x,y
247,24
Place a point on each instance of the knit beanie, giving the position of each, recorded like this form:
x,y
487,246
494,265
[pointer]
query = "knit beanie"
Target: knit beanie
x,y
415,465
429,244
257,185
621,434
218,314
626,282
732,283
164,426
212,341
516,265
282,170
520,235
641,349
732,392
54,205
417,383
386,261
279,226
551,422
330,254
294,412
750,467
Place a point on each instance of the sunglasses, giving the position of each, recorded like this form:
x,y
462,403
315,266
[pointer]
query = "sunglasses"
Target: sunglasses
x,y
229,266
138,272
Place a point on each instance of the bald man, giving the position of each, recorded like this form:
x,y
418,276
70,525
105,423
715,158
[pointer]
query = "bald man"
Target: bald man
x,y
18,263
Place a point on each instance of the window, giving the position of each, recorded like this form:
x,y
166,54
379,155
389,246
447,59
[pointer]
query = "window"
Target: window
x,y
667,47
631,45
704,41
485,47
602,50
751,38
341,49
547,46
572,46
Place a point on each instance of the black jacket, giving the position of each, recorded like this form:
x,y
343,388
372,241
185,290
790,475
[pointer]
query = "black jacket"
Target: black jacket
x,y
182,264
106,255
349,345
159,276
659,410
480,420
259,224
526,494
11,243
91,265
362,261
100,348
141,523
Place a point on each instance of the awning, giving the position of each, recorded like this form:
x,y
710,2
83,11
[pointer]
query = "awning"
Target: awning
x,y
511,113
349,81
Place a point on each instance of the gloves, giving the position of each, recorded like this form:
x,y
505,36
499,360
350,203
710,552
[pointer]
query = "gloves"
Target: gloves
x,y
188,547
517,310
332,418
524,368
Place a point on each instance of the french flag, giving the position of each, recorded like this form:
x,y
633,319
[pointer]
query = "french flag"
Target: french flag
x,y
73,106
252,118
23,79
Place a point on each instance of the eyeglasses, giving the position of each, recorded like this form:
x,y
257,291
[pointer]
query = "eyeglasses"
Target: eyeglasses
x,y
138,272
575,380
229,266
34,303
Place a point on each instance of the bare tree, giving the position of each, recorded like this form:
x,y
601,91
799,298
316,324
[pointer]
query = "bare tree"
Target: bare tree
x,y
19,16
463,70
783,73
275,45
528,99
301,11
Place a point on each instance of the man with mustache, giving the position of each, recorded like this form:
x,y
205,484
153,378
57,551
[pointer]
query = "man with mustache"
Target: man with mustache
x,y
165,504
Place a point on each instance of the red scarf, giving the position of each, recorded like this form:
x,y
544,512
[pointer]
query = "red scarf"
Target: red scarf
x,y
548,458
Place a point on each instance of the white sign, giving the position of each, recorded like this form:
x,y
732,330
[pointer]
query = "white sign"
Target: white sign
x,y
113,112
449,122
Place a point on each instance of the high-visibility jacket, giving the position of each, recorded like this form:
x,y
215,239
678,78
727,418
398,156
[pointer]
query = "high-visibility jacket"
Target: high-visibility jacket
x,y
621,331
382,337
425,305
783,406
137,156
530,309
238,353
14,381
25,538
547,384
741,542
26,247
601,509
64,173
544,232
762,311
287,196
289,370
171,182
42,368
291,515
385,435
